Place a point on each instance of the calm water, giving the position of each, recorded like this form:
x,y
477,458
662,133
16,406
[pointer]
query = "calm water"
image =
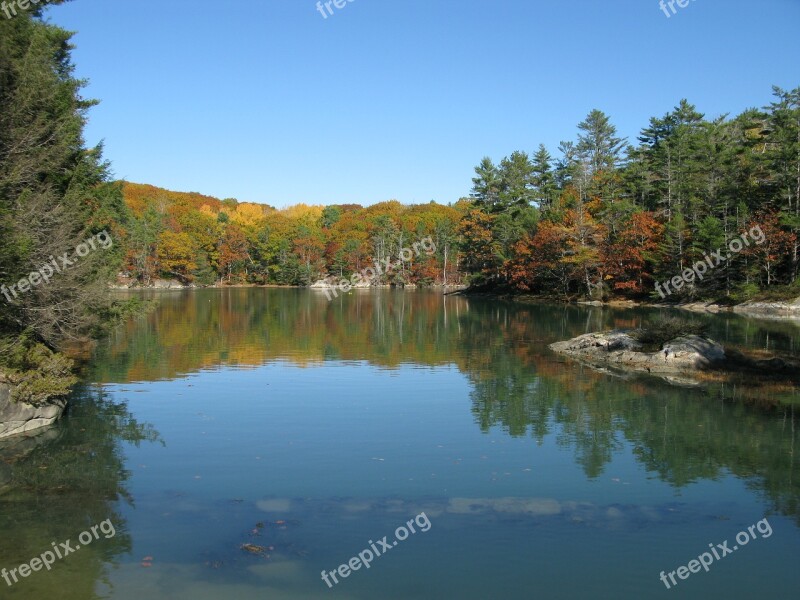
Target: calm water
x,y
309,429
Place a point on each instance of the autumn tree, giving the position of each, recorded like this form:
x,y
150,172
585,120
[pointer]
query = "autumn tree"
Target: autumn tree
x,y
629,259
540,264
177,255
233,253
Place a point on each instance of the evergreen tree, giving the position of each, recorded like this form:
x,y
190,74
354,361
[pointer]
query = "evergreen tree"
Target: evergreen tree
x,y
54,193
543,179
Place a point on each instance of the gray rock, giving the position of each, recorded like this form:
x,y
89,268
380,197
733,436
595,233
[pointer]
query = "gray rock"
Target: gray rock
x,y
19,417
620,349
790,310
334,282
167,284
321,284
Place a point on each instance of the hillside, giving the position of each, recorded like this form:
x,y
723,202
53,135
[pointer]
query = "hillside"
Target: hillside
x,y
201,240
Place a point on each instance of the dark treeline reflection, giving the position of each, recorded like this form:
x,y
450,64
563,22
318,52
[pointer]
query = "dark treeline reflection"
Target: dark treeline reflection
x,y
518,384
61,481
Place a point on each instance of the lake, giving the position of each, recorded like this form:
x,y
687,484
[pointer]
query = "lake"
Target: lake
x,y
241,442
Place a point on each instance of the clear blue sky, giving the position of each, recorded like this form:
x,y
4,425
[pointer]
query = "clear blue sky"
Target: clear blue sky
x,y
267,101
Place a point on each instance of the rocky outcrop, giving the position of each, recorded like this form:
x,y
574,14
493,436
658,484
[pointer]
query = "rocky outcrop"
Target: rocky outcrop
x,y
770,309
789,309
167,284
19,417
620,349
333,282
127,283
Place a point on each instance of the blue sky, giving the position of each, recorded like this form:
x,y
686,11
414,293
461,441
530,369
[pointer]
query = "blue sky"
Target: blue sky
x,y
267,101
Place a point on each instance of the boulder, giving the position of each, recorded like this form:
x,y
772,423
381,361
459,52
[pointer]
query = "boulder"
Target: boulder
x,y
335,282
167,284
19,417
321,284
620,349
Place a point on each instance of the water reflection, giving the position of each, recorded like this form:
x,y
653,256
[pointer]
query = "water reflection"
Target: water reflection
x,y
197,329
682,435
61,481
519,394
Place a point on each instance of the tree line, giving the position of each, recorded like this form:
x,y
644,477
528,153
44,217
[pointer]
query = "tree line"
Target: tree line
x,y
606,217
603,218
202,240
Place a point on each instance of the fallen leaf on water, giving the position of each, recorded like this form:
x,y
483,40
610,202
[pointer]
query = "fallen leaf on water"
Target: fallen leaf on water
x,y
253,549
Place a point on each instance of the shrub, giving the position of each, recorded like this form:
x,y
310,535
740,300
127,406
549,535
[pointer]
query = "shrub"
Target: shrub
x,y
664,330
36,374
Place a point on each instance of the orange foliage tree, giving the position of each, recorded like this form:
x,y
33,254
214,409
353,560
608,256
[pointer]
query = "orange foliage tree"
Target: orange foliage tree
x,y
539,264
630,257
233,253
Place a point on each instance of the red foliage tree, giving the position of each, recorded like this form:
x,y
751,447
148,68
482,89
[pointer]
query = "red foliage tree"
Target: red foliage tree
x,y
629,259
538,263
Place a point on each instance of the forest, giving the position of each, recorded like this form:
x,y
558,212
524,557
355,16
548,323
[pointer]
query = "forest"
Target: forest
x,y
602,218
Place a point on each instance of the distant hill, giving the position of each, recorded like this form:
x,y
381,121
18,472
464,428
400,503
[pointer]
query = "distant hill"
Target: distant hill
x,y
139,195
199,239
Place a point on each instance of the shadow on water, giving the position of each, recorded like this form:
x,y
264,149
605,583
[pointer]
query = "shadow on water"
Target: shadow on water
x,y
59,482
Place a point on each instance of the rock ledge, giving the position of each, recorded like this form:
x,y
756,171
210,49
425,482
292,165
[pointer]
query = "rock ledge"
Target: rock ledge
x,y
619,348
19,417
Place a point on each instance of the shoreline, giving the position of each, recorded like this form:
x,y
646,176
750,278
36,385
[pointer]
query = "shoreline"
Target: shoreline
x,y
757,309
450,288
760,309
